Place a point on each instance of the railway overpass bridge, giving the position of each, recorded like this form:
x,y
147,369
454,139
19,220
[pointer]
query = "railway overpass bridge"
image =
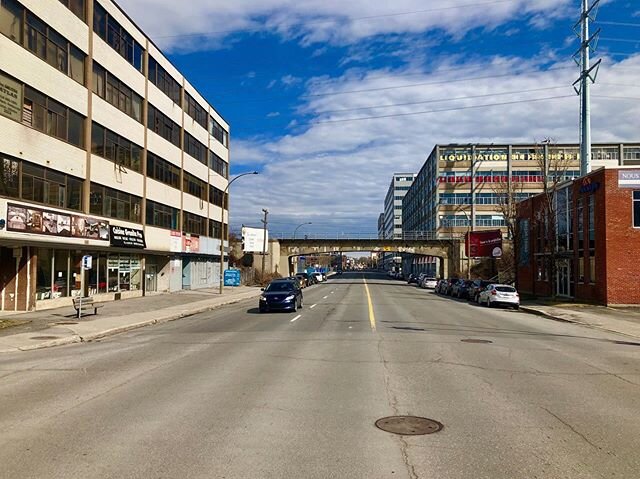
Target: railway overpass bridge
x,y
449,251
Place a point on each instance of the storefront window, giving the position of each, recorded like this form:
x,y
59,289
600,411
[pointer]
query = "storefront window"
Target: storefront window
x,y
44,278
75,278
102,274
123,272
61,274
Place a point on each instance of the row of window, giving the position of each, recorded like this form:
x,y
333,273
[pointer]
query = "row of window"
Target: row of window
x,y
194,148
163,125
162,170
29,182
481,220
116,92
107,28
194,186
165,82
52,118
480,198
116,148
105,201
26,29
195,111
218,165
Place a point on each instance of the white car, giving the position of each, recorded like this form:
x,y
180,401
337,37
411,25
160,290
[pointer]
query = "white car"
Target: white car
x,y
497,294
318,277
429,283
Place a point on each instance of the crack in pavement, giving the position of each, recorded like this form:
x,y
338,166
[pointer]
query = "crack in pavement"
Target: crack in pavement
x,y
578,433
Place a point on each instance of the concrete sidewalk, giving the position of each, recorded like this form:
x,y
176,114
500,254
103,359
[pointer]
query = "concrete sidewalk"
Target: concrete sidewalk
x,y
55,327
617,320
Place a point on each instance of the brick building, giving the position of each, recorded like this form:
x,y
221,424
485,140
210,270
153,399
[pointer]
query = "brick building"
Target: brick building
x,y
596,236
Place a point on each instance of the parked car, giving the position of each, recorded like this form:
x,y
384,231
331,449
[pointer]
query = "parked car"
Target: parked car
x,y
281,294
304,279
318,277
500,294
441,288
462,291
412,279
455,285
428,282
476,286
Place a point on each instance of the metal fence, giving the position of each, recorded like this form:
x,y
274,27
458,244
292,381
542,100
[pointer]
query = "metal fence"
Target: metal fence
x,y
344,236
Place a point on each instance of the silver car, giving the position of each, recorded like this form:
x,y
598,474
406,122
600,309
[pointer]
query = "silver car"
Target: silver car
x,y
499,294
428,283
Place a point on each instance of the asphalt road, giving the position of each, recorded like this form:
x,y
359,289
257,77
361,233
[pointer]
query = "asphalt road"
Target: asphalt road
x,y
235,394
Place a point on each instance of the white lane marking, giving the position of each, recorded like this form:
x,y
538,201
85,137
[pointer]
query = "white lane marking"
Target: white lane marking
x,y
313,306
325,297
296,318
332,292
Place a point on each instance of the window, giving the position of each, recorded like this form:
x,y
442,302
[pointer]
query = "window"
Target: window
x,y
195,186
215,229
592,268
216,196
77,7
581,262
580,213
592,228
161,215
636,209
194,224
31,182
117,37
195,111
194,148
109,88
53,118
162,170
9,177
23,27
161,78
113,147
115,204
163,125
218,165
218,132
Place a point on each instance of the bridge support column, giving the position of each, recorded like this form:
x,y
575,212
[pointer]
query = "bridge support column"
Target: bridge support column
x,y
284,266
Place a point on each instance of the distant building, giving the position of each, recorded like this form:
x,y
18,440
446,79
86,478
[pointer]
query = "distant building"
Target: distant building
x,y
400,184
107,151
381,226
596,236
459,187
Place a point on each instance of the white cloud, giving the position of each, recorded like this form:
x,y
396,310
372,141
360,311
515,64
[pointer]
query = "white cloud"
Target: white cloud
x,y
336,174
325,21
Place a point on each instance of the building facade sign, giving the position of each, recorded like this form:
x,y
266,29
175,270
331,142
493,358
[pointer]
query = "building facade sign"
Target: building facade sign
x,y
484,244
126,237
191,243
629,178
10,98
23,219
498,155
524,252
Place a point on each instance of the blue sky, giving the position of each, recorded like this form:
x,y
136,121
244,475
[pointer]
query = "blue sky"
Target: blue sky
x,y
300,80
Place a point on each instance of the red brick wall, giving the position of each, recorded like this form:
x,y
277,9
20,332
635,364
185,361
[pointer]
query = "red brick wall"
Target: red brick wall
x,y
621,267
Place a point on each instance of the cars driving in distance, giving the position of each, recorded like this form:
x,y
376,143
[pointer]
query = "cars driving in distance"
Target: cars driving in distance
x,y
281,295
499,294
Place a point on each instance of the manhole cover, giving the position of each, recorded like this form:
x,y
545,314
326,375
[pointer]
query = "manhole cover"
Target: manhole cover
x,y
66,322
408,425
627,343
476,341
44,337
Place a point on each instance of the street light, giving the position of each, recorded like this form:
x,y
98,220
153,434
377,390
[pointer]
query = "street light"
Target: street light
x,y
296,230
225,206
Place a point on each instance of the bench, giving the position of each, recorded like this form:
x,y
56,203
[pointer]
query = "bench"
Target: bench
x,y
87,304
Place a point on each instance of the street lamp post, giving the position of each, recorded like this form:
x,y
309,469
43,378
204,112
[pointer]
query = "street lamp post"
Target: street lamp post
x,y
225,235
296,230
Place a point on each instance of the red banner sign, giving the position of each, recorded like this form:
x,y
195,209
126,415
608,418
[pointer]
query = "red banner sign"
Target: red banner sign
x,y
483,244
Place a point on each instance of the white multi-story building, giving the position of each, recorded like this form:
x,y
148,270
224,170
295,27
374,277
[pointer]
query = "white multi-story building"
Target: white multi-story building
x,y
106,151
400,184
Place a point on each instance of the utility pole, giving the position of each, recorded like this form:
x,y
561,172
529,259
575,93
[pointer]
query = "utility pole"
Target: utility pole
x,y
264,240
588,75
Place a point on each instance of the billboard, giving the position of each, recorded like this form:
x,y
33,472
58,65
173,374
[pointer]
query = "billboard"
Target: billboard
x,y
253,239
483,244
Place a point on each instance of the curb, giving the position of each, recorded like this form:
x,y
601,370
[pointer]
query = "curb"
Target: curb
x,y
537,312
76,338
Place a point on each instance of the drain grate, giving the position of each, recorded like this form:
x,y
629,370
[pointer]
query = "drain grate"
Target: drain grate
x,y
408,425
476,341
44,337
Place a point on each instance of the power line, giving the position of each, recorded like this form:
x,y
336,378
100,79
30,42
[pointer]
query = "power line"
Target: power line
x,y
411,85
439,110
626,40
331,21
619,24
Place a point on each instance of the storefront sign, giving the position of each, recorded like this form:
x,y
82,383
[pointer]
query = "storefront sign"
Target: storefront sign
x,y
175,246
454,156
629,178
10,98
191,243
483,244
37,221
127,237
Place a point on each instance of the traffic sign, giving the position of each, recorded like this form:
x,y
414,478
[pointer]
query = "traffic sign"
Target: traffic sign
x,y
87,261
232,277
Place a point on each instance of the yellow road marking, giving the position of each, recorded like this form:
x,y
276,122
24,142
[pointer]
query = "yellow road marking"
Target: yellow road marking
x,y
372,317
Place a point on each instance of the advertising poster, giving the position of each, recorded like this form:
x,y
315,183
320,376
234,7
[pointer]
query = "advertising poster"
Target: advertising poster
x,y
38,221
483,244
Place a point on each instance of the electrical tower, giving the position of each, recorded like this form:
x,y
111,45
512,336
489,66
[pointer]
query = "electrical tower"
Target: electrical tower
x,y
588,76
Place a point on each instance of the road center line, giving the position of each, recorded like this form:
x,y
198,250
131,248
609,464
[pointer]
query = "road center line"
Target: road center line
x,y
296,318
313,306
372,317
325,297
